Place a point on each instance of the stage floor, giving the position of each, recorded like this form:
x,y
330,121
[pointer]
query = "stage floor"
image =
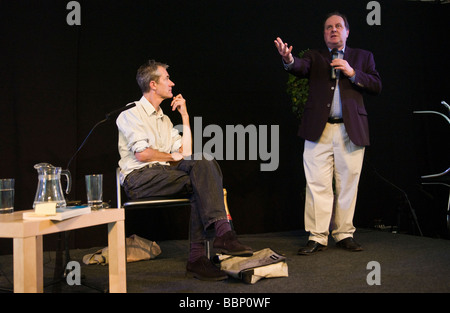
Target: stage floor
x,y
407,264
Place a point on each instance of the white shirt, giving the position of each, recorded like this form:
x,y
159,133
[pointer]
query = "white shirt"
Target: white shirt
x,y
336,105
140,128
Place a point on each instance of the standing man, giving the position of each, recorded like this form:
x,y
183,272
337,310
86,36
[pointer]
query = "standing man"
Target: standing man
x,y
155,160
335,129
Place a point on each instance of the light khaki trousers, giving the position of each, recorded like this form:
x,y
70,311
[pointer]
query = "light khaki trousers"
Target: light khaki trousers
x,y
333,155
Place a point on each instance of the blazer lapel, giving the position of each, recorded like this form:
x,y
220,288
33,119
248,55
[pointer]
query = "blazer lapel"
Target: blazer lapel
x,y
348,53
326,55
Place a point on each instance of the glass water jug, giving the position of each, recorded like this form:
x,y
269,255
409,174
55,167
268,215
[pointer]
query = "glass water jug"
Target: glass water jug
x,y
49,187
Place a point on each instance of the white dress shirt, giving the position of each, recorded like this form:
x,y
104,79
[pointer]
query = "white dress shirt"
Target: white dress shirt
x,y
140,128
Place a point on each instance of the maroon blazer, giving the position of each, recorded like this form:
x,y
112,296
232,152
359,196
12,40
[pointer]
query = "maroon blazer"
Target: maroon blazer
x,y
315,65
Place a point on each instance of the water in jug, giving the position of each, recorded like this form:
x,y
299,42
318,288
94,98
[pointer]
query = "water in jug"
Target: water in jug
x,y
49,187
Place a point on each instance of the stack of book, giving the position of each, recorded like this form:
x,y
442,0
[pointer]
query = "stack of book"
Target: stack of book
x,y
57,215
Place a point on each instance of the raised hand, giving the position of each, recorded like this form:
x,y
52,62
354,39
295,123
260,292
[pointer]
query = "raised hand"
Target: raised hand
x,y
284,50
179,103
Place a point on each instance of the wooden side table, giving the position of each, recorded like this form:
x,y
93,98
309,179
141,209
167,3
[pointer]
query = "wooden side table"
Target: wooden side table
x,y
28,247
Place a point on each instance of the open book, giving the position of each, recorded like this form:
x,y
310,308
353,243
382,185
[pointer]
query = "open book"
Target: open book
x,y
61,213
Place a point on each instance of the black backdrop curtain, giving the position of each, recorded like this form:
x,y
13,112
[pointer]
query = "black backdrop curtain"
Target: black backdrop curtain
x,y
58,80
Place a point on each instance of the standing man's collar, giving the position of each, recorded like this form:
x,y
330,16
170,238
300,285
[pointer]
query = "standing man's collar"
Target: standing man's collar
x,y
342,50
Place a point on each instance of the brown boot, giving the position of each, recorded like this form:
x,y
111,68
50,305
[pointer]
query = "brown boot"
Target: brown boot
x,y
229,244
204,269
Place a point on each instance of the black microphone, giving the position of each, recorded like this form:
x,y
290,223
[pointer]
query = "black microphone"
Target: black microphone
x,y
118,111
108,116
334,55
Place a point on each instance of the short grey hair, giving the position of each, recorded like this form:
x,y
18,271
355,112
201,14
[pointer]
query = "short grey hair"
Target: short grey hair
x,y
148,72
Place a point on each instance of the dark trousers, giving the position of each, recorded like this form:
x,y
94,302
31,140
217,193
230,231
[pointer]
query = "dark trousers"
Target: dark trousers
x,y
201,179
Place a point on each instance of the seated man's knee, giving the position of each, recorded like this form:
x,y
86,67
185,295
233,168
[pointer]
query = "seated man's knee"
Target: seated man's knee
x,y
201,157
205,160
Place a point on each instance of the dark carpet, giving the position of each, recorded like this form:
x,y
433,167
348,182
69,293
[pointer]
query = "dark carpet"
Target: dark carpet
x,y
408,264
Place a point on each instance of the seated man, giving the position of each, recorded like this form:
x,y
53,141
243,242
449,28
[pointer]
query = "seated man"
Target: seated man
x,y
157,161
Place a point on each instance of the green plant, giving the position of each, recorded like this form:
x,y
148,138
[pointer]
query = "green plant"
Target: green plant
x,y
297,89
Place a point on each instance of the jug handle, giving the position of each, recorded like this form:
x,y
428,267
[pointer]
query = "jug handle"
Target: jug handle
x,y
69,180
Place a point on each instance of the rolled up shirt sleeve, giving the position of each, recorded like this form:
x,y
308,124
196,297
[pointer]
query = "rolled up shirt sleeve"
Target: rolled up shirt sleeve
x,y
139,146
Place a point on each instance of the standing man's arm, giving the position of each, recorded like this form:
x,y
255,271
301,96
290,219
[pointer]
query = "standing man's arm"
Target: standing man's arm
x,y
294,65
368,77
284,50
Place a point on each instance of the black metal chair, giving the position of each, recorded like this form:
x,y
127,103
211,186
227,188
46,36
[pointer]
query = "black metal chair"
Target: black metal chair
x,y
442,178
136,209
155,202
147,202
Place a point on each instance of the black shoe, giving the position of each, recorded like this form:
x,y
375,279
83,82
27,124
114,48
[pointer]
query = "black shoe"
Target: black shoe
x,y
311,247
229,244
203,269
349,244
